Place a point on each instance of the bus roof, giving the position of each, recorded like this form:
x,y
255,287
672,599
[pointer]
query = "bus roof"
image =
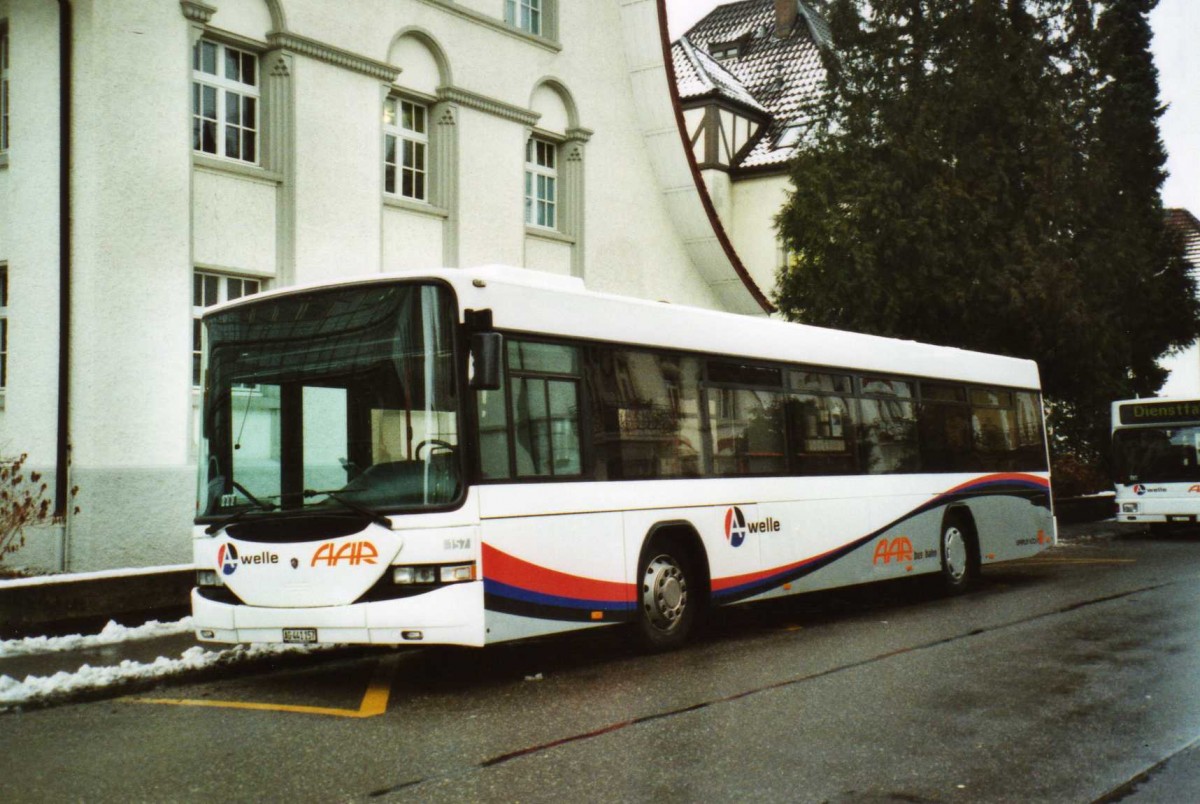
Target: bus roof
x,y
529,301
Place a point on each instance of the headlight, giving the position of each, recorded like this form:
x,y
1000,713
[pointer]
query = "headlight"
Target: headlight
x,y
458,573
407,575
433,574
1129,508
208,578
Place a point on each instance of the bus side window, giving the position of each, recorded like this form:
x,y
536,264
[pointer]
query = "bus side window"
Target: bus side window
x,y
645,414
492,424
889,427
543,386
822,423
944,427
994,427
1031,447
747,431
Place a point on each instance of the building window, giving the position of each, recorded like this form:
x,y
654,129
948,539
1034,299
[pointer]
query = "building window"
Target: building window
x,y
406,149
541,183
525,14
3,327
209,289
790,136
3,87
225,96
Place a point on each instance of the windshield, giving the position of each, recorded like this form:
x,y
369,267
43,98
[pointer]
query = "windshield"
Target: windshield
x,y
1157,455
337,398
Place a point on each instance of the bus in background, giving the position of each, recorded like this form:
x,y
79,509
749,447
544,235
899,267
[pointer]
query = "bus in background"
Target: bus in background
x,y
467,456
1156,459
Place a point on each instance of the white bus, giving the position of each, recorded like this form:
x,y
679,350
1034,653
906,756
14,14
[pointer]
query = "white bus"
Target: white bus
x,y
475,455
1156,458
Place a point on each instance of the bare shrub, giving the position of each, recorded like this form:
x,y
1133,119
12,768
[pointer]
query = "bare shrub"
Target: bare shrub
x,y
23,503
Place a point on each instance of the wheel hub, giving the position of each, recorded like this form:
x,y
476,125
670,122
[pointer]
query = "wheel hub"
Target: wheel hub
x,y
954,551
664,592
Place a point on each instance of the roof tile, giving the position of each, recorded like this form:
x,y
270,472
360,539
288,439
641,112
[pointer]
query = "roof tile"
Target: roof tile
x,y
784,76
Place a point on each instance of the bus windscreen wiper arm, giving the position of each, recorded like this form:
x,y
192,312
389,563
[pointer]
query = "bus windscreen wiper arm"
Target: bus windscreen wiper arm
x,y
260,506
375,516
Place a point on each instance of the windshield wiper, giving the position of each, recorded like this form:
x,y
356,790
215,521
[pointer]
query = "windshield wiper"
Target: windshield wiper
x,y
259,505
374,516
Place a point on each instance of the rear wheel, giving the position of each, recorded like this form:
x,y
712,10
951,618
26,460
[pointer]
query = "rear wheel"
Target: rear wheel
x,y
959,554
668,599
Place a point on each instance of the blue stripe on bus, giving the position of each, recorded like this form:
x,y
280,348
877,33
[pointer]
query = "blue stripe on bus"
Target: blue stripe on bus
x,y
499,589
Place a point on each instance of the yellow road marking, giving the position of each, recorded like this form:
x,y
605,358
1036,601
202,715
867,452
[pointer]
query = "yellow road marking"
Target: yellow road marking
x,y
374,701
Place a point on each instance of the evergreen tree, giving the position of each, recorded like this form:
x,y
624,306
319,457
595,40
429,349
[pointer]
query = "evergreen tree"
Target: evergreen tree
x,y
1124,243
954,192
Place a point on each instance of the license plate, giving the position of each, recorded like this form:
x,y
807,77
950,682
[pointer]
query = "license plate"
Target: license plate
x,y
1179,518
301,635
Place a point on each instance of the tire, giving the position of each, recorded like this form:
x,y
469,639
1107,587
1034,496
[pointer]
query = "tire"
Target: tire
x,y
669,597
959,552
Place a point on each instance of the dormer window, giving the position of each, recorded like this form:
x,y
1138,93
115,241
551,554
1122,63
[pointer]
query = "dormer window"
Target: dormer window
x,y
790,136
730,49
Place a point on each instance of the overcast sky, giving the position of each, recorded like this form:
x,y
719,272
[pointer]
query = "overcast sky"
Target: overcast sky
x,y
1176,26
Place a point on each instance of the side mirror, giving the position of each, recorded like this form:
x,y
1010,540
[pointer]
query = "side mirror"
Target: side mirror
x,y
487,349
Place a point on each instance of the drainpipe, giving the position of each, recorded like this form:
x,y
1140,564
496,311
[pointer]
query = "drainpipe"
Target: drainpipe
x,y
62,501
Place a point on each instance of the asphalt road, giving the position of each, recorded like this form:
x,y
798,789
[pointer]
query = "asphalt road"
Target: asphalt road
x,y
1071,677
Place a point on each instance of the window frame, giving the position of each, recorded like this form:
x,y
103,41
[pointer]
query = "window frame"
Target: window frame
x,y
420,140
528,15
223,282
223,87
538,175
3,327
5,95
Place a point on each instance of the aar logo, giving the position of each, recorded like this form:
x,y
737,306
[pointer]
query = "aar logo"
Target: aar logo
x,y
353,553
735,526
899,549
227,557
1139,489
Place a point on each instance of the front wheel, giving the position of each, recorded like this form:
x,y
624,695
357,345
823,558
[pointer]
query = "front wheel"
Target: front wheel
x,y
960,556
667,597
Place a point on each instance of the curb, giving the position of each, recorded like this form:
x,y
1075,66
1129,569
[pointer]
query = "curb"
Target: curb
x,y
77,603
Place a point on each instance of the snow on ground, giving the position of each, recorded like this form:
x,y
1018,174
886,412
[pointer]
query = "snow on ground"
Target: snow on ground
x,y
87,678
112,634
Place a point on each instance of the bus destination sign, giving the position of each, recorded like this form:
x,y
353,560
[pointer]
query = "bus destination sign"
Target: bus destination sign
x,y
1154,412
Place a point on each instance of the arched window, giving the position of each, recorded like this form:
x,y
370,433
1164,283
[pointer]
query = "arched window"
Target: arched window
x,y
411,146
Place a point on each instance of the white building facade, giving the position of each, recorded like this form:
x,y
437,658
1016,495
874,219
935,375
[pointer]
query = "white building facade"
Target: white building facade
x,y
187,153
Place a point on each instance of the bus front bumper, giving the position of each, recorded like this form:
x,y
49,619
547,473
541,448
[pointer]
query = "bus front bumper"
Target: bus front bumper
x,y
1157,511
452,615
1177,519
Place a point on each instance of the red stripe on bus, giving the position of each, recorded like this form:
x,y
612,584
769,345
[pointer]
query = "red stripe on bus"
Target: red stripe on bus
x,y
513,571
734,581
1016,477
